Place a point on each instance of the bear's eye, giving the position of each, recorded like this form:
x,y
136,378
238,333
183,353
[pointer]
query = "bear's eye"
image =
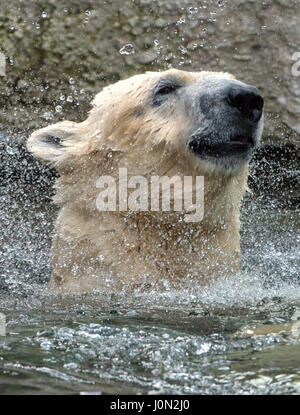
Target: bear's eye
x,y
163,90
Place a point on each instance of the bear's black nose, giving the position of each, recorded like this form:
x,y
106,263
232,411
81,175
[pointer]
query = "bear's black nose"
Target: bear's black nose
x,y
247,100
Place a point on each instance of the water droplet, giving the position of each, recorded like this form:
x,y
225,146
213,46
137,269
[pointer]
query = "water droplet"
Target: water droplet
x,y
48,115
193,10
62,97
183,50
58,108
44,15
71,81
181,20
127,49
70,98
88,12
9,150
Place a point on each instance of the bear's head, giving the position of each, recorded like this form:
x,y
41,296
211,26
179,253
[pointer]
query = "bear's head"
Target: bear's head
x,y
207,122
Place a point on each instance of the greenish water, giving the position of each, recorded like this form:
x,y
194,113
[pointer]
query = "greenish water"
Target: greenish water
x,y
239,336
175,343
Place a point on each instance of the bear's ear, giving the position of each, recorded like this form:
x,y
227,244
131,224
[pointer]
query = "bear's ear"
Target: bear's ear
x,y
49,144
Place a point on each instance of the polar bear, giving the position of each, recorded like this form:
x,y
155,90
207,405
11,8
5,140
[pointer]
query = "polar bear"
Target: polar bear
x,y
164,124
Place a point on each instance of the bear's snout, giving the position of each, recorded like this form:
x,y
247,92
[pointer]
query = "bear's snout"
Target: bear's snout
x,y
228,121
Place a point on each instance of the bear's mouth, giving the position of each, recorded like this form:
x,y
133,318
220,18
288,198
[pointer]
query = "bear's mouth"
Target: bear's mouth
x,y
242,139
236,145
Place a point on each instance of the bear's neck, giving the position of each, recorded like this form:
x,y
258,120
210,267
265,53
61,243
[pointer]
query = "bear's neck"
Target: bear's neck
x,y
132,246
78,191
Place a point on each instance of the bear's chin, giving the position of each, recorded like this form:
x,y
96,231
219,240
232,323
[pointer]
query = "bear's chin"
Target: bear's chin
x,y
230,165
